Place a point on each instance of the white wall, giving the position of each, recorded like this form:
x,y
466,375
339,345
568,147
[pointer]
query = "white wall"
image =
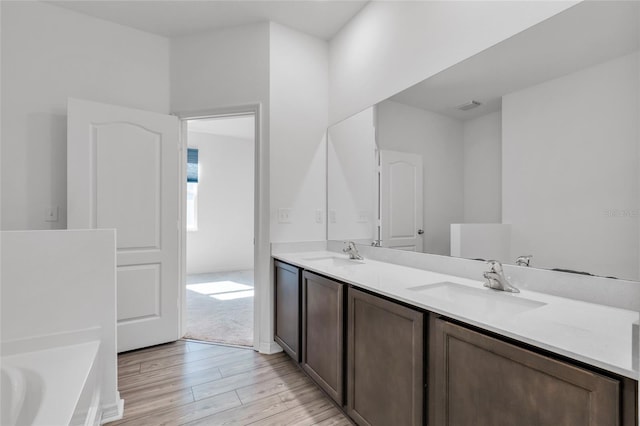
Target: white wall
x,y
298,78
483,169
439,140
224,238
57,287
570,170
352,179
50,54
390,46
221,68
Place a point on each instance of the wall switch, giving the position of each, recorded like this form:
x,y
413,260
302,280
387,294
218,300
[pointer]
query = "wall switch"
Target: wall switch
x,y
318,216
51,214
284,215
332,216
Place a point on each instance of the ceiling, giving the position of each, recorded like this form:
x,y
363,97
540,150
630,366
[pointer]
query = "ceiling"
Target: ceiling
x,y
582,36
238,127
174,18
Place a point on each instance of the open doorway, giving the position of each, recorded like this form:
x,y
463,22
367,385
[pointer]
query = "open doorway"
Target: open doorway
x,y
220,229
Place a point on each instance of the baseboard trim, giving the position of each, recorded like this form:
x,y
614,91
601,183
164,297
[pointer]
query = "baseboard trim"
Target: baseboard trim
x,y
269,348
113,412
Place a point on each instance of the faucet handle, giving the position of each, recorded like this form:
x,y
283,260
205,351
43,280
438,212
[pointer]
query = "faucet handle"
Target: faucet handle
x,y
352,250
349,246
495,266
524,260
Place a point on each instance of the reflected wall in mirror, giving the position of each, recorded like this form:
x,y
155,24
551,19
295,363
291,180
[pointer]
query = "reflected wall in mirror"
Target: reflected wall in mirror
x,y
351,175
547,165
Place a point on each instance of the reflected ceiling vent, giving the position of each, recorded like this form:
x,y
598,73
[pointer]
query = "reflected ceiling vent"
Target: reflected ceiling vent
x,y
468,105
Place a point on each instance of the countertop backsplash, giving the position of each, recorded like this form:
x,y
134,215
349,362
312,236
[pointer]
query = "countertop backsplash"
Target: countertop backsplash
x,y
605,291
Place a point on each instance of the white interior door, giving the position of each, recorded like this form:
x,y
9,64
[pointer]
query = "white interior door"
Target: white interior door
x,y
122,173
401,200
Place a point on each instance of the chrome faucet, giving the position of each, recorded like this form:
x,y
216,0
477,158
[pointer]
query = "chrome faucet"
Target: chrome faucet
x,y
496,279
352,250
524,260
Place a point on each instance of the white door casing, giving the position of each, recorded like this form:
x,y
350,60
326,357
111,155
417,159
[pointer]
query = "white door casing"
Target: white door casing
x,y
401,200
122,173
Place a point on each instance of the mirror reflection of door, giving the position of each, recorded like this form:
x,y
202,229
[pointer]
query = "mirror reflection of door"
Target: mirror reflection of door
x,y
401,200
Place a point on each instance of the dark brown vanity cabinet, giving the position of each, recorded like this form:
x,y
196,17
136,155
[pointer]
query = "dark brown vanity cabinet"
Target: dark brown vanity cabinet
x,y
322,333
287,294
386,363
385,380
475,379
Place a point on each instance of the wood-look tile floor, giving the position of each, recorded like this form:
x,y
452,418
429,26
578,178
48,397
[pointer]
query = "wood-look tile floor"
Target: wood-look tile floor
x,y
192,383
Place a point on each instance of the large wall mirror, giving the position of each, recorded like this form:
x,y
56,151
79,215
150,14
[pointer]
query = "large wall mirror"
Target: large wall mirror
x,y
531,147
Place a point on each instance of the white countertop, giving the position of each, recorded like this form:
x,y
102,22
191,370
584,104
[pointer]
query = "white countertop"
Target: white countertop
x,y
594,334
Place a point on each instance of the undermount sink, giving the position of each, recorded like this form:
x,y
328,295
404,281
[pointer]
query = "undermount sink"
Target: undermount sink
x,y
489,302
334,261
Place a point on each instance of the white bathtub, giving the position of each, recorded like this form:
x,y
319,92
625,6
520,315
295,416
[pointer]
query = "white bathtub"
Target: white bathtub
x,y
56,386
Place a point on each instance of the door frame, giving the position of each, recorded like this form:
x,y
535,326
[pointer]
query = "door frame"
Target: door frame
x,y
261,250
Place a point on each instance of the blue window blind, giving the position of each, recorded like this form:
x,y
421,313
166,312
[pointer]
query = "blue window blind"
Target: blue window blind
x,y
192,165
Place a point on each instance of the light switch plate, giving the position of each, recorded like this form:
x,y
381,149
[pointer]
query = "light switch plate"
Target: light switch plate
x,y
332,216
363,216
51,214
284,215
318,216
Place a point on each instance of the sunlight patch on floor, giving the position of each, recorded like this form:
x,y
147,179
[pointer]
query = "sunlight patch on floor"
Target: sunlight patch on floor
x,y
217,287
233,295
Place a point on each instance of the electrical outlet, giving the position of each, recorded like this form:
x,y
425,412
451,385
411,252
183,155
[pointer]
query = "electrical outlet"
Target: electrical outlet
x,y
318,216
332,216
51,214
363,216
284,215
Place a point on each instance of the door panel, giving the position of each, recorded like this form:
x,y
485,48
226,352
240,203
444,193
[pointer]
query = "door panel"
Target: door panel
x,y
401,200
138,292
479,380
385,381
128,180
287,308
322,333
122,171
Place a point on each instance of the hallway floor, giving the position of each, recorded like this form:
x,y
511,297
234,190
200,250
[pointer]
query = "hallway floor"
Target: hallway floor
x,y
192,383
220,307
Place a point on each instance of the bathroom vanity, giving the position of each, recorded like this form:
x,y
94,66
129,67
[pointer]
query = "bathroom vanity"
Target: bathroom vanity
x,y
393,344
516,154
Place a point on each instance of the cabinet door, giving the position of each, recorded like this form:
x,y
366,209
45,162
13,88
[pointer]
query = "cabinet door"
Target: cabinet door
x,y
287,308
322,333
385,380
479,380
